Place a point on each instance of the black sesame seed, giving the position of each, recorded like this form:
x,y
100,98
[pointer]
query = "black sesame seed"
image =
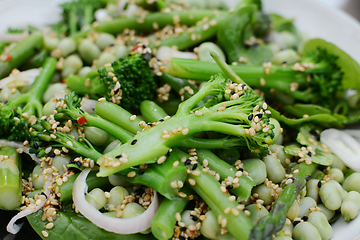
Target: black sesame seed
x,y
293,159
296,223
63,153
308,177
116,91
150,124
168,153
72,161
36,49
284,62
161,120
241,169
118,156
259,115
56,207
78,163
36,146
82,111
251,116
315,134
247,45
292,178
243,86
139,191
187,162
183,229
52,155
42,193
305,218
57,197
133,142
141,171
194,217
229,187
309,154
319,184
194,166
182,238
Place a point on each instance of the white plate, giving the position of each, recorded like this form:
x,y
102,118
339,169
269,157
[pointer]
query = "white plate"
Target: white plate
x,y
312,17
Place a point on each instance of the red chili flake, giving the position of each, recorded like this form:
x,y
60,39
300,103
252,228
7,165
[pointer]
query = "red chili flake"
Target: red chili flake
x,y
136,47
8,57
63,80
191,232
81,120
227,191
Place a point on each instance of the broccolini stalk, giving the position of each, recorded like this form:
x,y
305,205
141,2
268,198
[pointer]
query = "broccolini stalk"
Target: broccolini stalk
x,y
229,212
273,222
240,113
23,51
10,179
71,110
225,170
13,119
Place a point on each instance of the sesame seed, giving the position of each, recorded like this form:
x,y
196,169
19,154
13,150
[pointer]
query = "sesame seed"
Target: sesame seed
x,y
133,118
227,210
131,174
178,216
192,181
232,198
173,185
45,233
196,173
161,160
198,113
165,136
176,163
182,195
185,131
262,82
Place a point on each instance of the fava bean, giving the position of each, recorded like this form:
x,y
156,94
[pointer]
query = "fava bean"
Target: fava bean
x,y
283,238
187,219
67,46
294,211
88,51
37,177
114,144
121,51
337,174
118,181
117,195
275,171
49,107
104,40
96,198
312,189
72,64
204,52
84,71
281,155
256,169
105,58
337,163
255,213
306,231
264,193
330,196
51,43
132,210
60,162
210,228
319,220
351,183
7,94
305,204
96,135
52,88
350,206
329,214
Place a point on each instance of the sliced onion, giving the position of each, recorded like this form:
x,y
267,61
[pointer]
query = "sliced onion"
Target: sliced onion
x,y
14,228
117,225
6,143
344,146
24,78
166,53
12,37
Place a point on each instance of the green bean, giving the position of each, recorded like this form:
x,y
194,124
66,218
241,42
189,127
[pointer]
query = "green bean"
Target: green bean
x,y
275,171
104,58
337,174
117,195
318,219
350,206
305,204
351,183
96,136
51,89
210,228
60,162
72,64
329,214
312,189
104,40
264,193
162,226
151,112
288,56
88,51
330,196
7,94
204,52
10,179
306,231
66,46
294,211
255,213
96,197
256,169
22,51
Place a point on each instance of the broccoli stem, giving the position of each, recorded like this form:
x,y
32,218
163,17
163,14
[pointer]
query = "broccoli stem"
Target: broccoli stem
x,y
159,176
162,226
273,222
33,98
23,51
92,182
118,115
10,179
224,169
77,84
117,26
152,112
208,188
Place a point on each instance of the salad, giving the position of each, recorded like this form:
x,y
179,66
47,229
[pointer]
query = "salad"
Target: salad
x,y
176,120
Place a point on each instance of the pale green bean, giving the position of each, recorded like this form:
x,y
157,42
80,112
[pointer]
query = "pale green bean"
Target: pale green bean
x,y
96,198
132,210
52,88
49,107
210,228
121,51
305,204
37,177
288,56
96,136
114,144
88,51
351,183
104,40
255,213
60,162
105,58
350,206
72,64
117,195
256,169
294,211
312,189
337,174
264,193
319,220
7,94
66,46
330,196
84,71
275,171
306,231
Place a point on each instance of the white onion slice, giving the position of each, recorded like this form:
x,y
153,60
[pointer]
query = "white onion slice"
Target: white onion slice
x,y
24,78
344,146
12,227
12,37
6,143
117,225
166,53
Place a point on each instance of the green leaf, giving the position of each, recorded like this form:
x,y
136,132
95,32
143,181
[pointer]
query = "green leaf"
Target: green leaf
x,y
70,226
280,23
348,65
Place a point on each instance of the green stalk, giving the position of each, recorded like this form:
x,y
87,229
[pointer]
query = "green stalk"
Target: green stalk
x,y
151,112
33,98
159,176
273,222
162,226
118,115
208,188
92,182
77,84
10,179
224,169
23,51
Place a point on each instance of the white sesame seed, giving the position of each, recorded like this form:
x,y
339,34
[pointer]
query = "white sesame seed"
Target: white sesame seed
x,y
131,174
45,233
161,160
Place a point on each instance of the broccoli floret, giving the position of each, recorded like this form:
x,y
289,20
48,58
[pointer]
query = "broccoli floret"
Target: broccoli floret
x,y
128,82
15,118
